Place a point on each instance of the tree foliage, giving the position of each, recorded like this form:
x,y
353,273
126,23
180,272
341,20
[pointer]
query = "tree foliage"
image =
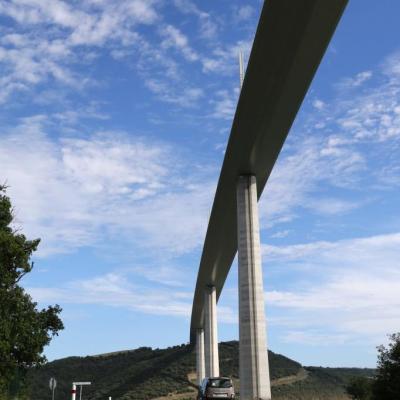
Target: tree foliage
x,y
387,383
24,330
359,388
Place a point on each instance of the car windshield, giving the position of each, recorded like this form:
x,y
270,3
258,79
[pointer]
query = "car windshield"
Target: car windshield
x,y
219,383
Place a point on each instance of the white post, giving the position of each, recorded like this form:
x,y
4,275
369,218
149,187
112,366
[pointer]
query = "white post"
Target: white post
x,y
210,332
200,364
253,354
73,392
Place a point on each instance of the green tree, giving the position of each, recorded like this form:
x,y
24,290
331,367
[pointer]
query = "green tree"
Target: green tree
x,y
359,388
387,383
24,330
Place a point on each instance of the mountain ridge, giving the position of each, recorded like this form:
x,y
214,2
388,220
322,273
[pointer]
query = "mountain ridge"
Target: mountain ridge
x,y
145,373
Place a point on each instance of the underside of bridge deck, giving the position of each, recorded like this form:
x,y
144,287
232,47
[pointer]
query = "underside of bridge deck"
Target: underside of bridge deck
x,y
291,39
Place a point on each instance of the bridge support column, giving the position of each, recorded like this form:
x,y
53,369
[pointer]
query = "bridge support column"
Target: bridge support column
x,y
200,365
210,332
253,355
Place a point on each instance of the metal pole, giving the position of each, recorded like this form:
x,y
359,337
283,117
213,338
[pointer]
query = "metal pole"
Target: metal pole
x,y
241,68
52,395
80,393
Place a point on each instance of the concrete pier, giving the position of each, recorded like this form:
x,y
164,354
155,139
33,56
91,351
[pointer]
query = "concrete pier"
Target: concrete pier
x,y
253,355
210,332
200,364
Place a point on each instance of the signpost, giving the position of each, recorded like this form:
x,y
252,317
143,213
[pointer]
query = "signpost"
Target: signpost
x,y
52,385
74,385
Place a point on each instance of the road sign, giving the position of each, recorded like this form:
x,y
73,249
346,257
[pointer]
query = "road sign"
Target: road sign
x,y
52,383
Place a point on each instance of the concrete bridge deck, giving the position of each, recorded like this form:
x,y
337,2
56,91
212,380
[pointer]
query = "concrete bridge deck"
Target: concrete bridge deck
x,y
290,41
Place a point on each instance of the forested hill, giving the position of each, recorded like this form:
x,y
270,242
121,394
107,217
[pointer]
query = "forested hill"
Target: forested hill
x,y
145,373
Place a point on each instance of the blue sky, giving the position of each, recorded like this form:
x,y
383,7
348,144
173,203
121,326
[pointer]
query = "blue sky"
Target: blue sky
x,y
113,123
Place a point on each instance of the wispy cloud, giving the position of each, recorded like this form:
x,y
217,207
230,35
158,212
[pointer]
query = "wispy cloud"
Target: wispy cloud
x,y
318,104
356,81
208,27
33,56
186,97
223,60
115,290
356,133
77,191
296,180
348,287
174,38
280,234
243,13
224,104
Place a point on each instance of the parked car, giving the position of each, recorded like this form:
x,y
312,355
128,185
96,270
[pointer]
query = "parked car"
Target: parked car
x,y
216,388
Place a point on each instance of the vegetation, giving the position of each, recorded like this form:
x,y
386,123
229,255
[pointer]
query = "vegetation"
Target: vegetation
x,y
147,374
360,388
387,383
24,330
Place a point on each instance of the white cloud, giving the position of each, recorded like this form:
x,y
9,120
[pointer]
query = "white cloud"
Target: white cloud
x,y
184,97
163,274
224,59
75,192
334,150
348,288
391,66
27,62
89,22
224,104
372,116
318,104
280,234
332,206
113,165
356,81
295,180
207,26
114,290
173,37
244,13
32,56
350,250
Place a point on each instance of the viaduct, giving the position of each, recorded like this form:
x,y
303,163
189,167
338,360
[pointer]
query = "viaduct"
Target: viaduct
x,y
291,39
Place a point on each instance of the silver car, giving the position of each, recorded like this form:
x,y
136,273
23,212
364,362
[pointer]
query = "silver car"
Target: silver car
x,y
216,388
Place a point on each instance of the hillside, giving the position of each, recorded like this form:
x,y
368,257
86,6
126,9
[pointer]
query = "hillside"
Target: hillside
x,y
149,374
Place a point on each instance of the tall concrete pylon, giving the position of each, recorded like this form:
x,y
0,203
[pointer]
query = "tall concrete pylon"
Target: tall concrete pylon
x,y
211,332
200,364
253,354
